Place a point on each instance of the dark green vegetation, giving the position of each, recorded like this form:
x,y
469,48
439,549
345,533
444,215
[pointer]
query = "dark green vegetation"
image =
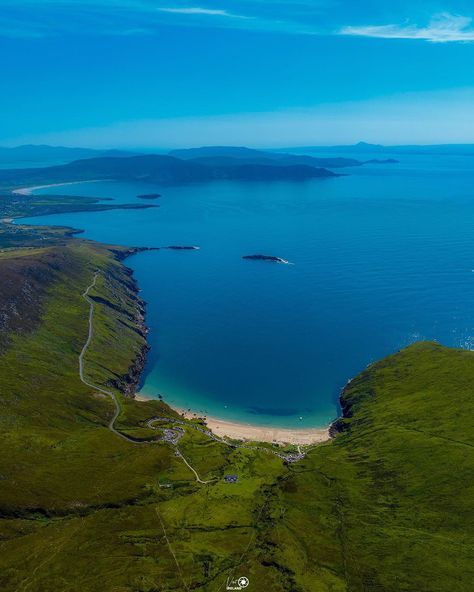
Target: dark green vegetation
x,y
385,506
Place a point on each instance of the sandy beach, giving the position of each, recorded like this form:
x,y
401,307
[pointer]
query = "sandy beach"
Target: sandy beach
x,y
255,433
29,190
242,431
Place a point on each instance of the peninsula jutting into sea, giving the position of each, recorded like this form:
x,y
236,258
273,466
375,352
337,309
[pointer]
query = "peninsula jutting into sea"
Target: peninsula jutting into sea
x,y
236,287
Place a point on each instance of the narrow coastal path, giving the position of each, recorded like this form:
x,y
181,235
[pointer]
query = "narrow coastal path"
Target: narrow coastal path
x,y
111,394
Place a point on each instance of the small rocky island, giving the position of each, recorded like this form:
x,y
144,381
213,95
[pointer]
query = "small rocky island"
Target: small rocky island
x,y
182,248
270,258
149,196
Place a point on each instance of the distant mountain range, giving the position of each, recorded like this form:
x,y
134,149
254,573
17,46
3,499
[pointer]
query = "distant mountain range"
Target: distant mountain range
x,y
160,169
43,155
195,164
46,155
364,148
230,155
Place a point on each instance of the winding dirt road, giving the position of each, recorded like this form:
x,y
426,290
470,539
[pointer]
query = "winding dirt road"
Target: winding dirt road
x,y
111,394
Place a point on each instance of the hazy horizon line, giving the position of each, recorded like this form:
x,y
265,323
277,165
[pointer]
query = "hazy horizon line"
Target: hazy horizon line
x,y
143,148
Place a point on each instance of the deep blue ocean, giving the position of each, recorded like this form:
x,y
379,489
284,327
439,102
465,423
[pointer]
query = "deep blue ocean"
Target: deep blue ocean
x,y
382,257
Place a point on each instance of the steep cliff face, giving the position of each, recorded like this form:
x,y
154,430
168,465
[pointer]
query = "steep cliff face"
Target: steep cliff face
x,y
356,391
118,350
129,381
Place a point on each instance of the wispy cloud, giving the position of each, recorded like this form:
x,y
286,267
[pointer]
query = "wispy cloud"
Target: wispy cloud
x,y
201,11
442,28
35,18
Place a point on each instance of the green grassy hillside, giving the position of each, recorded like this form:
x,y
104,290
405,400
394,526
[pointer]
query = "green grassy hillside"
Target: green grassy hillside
x,y
390,500
385,506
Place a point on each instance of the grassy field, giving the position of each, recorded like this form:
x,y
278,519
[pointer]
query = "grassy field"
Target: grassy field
x,y
385,506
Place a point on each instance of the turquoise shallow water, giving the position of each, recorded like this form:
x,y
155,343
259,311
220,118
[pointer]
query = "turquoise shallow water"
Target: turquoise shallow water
x,y
382,257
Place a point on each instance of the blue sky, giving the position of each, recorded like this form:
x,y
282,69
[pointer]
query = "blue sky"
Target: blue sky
x,y
172,73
